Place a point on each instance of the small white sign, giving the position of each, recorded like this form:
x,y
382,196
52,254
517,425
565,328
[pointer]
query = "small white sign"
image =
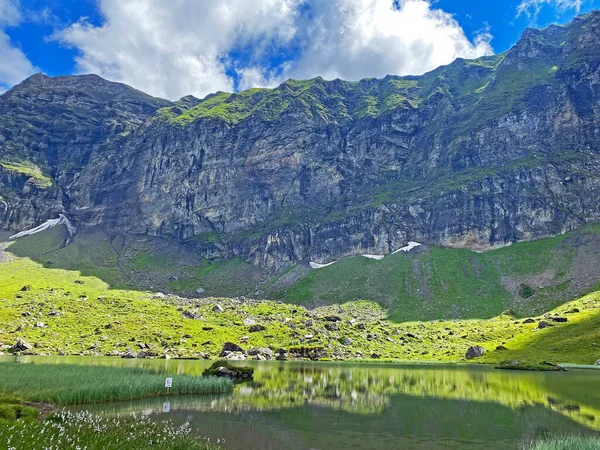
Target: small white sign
x,y
166,407
169,383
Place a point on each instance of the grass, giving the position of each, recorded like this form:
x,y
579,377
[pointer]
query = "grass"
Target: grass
x,y
428,305
12,408
427,284
28,169
435,283
565,443
70,431
63,384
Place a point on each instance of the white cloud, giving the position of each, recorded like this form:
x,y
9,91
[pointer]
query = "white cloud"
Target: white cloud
x,y
531,8
14,65
9,13
181,47
353,39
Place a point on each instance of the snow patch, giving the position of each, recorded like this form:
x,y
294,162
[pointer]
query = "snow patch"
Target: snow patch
x,y
315,265
408,247
376,257
61,220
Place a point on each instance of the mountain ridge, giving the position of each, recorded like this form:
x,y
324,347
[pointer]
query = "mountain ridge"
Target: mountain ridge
x,y
478,154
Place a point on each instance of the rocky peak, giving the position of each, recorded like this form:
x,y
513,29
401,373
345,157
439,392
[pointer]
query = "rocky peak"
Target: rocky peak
x,y
476,153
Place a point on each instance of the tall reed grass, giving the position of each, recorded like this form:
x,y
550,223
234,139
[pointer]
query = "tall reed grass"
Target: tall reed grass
x,y
64,384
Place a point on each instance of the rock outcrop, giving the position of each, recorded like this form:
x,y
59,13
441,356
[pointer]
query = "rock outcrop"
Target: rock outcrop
x,y
474,154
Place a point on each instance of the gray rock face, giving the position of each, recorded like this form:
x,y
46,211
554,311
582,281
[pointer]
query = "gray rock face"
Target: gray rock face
x,y
475,352
473,154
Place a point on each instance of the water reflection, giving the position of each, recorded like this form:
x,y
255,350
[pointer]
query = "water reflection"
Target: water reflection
x,y
334,406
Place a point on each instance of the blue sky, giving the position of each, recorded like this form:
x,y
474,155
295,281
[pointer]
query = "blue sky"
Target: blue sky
x,y
179,47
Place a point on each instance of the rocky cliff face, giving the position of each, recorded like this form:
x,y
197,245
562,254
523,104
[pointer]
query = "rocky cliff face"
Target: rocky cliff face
x,y
477,153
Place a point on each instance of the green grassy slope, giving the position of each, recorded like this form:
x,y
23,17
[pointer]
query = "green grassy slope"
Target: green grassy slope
x,y
428,283
83,314
432,283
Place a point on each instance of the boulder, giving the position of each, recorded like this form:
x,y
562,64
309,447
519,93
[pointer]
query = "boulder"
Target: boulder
x,y
262,351
235,356
597,363
310,352
247,322
142,354
256,328
346,341
501,347
217,308
333,318
332,326
229,347
475,351
542,324
190,314
40,325
526,321
20,346
129,354
559,319
225,369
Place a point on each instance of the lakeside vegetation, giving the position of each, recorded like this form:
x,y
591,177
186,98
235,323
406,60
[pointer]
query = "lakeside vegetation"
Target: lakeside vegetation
x,y
565,443
63,384
70,431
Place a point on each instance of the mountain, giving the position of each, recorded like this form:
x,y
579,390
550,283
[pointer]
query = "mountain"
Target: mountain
x,y
475,154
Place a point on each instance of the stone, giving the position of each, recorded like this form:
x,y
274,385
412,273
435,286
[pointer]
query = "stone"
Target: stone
x,y
267,353
142,354
200,291
346,341
559,319
475,351
129,354
189,314
247,322
230,347
333,318
542,324
526,321
40,325
501,347
217,308
20,346
332,326
597,363
256,328
224,369
234,356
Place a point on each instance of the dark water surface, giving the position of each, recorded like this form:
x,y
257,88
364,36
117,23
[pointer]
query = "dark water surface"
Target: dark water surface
x,y
329,406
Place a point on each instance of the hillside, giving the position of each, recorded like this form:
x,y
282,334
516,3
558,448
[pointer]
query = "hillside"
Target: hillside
x,y
426,283
476,154
59,311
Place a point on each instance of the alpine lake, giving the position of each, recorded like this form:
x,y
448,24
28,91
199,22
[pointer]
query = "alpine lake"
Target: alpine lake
x,y
330,406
